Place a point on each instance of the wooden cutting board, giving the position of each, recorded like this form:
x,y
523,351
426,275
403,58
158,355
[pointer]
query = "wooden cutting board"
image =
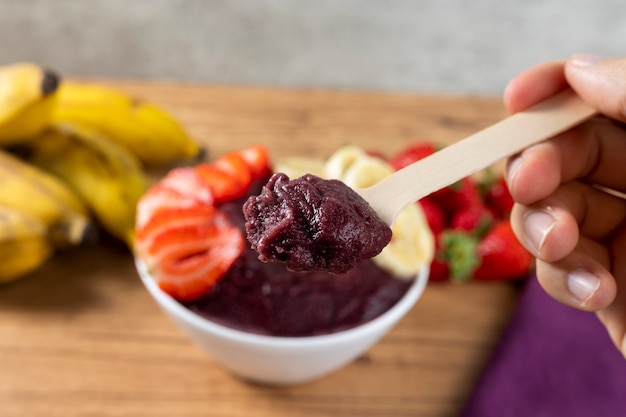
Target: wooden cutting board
x,y
81,336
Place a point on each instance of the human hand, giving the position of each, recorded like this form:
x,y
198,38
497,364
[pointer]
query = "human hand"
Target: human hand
x,y
564,213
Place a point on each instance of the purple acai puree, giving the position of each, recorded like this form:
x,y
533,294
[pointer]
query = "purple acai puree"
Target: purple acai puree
x,y
313,224
266,298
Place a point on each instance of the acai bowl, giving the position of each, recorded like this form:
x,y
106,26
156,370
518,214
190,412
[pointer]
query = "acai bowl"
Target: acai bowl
x,y
260,321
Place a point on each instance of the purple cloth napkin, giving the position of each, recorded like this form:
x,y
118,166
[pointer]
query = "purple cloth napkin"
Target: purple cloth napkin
x,y
552,361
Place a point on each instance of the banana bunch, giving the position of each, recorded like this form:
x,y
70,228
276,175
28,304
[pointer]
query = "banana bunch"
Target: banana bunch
x,y
412,244
150,133
74,158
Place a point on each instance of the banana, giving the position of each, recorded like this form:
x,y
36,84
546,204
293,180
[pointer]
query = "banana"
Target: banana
x,y
27,99
35,192
24,245
339,161
107,176
412,243
366,171
155,137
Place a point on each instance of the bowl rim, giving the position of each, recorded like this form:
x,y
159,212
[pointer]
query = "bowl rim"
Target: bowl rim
x,y
383,321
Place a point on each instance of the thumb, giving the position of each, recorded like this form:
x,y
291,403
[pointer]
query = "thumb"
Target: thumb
x,y
600,82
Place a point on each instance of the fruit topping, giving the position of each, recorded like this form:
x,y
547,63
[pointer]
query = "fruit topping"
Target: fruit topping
x,y
412,153
187,244
190,257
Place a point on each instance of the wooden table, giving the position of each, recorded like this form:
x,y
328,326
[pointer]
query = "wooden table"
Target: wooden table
x,y
81,337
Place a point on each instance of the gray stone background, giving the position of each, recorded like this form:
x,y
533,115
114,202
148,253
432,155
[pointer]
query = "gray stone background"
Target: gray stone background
x,y
441,46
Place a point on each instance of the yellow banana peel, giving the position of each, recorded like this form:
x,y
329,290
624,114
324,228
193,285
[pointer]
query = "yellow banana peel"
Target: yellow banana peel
x,y
151,133
27,100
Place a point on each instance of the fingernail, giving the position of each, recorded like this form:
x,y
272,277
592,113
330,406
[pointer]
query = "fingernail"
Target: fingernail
x,y
585,60
538,224
582,285
512,167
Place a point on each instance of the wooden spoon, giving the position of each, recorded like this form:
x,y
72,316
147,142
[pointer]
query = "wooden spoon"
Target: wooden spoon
x,y
476,152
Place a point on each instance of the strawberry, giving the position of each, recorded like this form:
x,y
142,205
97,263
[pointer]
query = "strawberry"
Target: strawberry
x,y
224,185
458,251
185,241
187,182
189,250
227,178
412,154
376,154
160,197
439,270
498,197
434,215
239,169
258,160
498,255
230,176
167,218
188,270
459,196
476,219
501,255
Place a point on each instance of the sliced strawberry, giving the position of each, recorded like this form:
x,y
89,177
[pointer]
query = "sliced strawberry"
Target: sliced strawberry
x,y
223,184
412,154
231,175
258,159
186,242
238,167
160,197
188,260
166,218
187,182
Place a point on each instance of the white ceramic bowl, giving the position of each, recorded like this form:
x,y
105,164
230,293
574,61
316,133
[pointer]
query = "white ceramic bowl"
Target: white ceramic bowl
x,y
282,360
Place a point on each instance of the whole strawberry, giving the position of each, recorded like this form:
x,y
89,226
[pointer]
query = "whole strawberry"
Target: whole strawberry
x,y
501,255
434,215
439,270
459,196
476,219
498,197
412,154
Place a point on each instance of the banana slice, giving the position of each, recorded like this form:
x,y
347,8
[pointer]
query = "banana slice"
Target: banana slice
x,y
366,171
412,244
295,167
341,160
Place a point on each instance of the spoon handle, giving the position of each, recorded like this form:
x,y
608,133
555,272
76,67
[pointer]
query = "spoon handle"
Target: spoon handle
x,y
476,152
